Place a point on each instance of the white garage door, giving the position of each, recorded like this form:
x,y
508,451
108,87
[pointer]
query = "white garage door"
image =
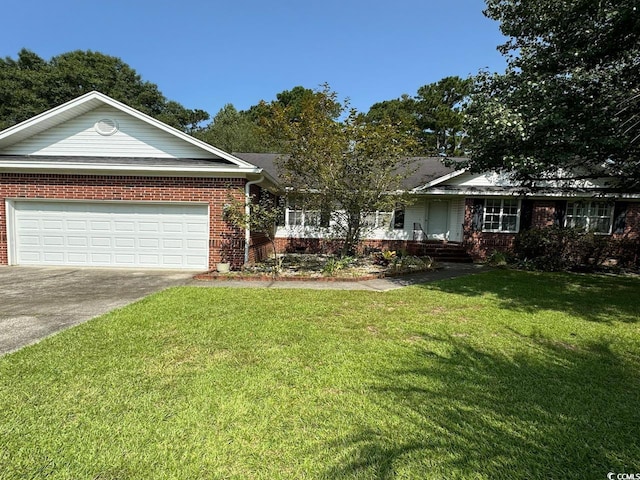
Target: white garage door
x,y
106,234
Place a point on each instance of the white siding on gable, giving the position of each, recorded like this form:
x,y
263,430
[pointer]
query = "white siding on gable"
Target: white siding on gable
x,y
134,138
481,180
493,179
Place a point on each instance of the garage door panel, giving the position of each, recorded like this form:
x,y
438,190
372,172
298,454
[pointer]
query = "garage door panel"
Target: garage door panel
x,y
111,234
196,244
151,243
55,225
77,241
49,240
28,224
172,259
29,258
53,257
31,240
104,242
124,227
100,226
77,258
196,228
125,259
149,259
171,243
170,227
77,225
146,226
194,261
123,242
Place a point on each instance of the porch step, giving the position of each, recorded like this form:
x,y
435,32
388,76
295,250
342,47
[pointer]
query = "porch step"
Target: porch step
x,y
445,252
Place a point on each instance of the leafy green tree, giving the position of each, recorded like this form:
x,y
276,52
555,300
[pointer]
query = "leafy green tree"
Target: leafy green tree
x,y
435,115
291,100
440,114
399,110
567,106
23,83
31,85
259,213
350,167
233,131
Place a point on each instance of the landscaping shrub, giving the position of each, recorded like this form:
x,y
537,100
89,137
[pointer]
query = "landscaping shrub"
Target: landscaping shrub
x,y
626,251
555,248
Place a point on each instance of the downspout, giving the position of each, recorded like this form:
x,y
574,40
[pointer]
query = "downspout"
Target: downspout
x,y
247,212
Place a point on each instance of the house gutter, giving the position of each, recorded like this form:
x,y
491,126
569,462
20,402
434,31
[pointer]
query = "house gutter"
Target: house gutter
x,y
247,212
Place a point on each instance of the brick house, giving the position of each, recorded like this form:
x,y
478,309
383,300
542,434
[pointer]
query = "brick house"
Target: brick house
x,y
94,182
455,213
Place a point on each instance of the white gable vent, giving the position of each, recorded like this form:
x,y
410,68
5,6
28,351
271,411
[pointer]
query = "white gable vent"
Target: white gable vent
x,y
106,126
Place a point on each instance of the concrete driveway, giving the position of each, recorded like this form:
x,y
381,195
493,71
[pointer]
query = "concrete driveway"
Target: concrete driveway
x,y
36,302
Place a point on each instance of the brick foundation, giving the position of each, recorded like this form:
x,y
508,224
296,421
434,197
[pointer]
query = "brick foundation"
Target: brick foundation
x,y
224,240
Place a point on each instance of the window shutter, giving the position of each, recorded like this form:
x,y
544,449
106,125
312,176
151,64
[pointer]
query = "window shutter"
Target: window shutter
x,y
477,214
559,213
619,217
526,214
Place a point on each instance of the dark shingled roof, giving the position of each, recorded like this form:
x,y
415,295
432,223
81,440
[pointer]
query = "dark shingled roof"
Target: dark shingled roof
x,y
428,168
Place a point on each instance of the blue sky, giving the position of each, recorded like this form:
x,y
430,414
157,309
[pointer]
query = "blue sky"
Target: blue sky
x,y
205,54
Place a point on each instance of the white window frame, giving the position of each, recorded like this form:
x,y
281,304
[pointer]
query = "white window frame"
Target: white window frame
x,y
381,220
589,207
501,215
308,218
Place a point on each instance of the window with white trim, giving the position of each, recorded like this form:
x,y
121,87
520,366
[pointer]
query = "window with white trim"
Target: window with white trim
x,y
595,217
297,215
377,219
501,215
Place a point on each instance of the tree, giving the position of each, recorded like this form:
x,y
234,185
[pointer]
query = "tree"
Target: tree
x,y
440,114
349,168
31,85
290,100
233,131
567,106
259,213
435,115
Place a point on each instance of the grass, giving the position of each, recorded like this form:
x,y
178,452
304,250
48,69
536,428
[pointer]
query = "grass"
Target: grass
x,y
501,375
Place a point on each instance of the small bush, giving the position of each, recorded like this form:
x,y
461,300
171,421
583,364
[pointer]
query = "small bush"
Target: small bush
x,y
497,259
385,257
334,265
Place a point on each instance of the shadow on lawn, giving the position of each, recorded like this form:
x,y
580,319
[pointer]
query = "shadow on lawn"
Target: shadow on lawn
x,y
549,412
592,297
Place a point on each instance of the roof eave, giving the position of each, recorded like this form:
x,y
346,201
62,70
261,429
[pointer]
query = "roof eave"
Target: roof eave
x,y
74,167
439,180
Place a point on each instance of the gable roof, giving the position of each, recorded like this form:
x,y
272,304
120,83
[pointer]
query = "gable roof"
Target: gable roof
x,y
92,100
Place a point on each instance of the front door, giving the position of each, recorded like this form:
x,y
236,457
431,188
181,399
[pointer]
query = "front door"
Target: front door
x,y
438,220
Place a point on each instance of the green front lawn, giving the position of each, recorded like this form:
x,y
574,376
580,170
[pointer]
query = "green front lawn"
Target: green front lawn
x,y
499,375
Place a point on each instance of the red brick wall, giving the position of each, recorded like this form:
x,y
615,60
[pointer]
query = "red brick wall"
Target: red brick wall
x,y
481,244
223,239
543,213
259,248
632,228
